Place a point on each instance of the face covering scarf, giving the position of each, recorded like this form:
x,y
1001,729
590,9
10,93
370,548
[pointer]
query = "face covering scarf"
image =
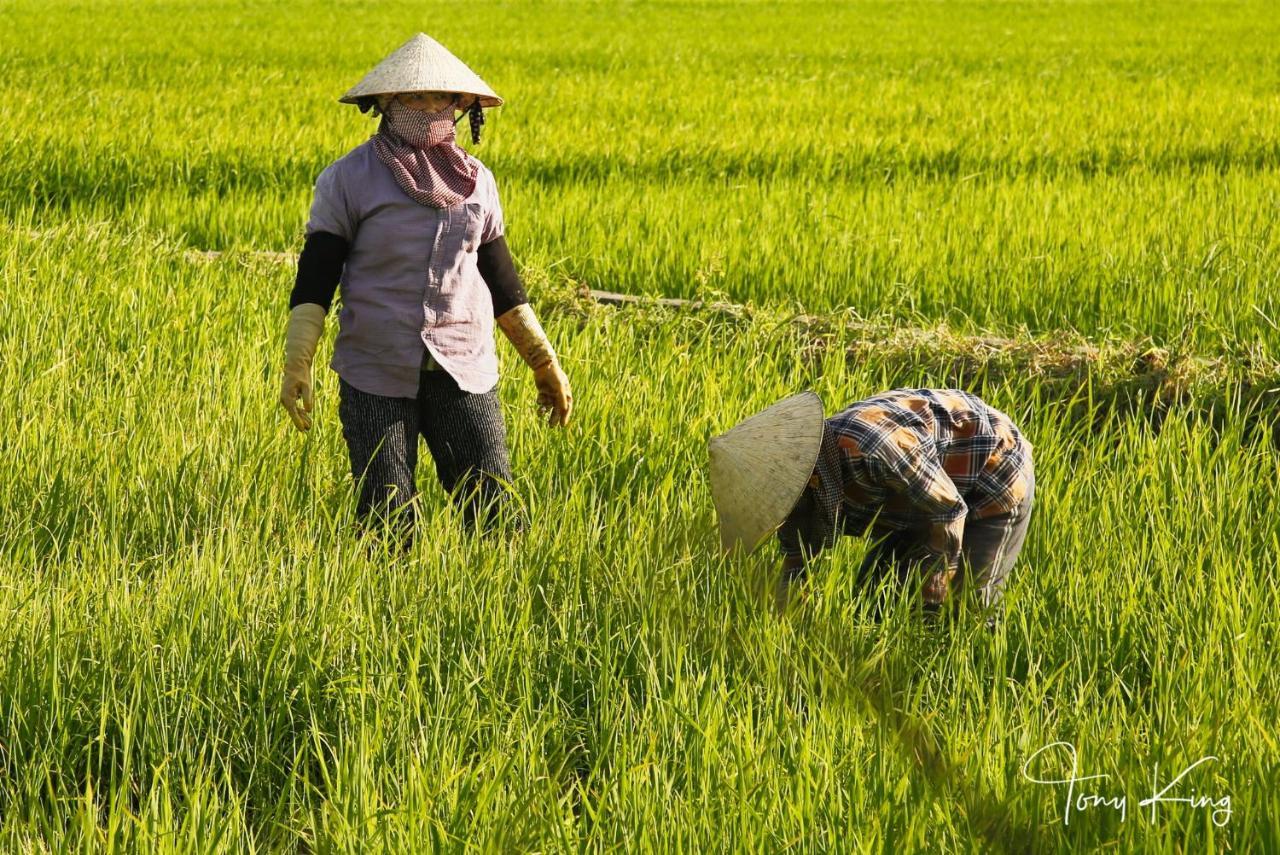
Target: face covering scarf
x,y
818,525
420,150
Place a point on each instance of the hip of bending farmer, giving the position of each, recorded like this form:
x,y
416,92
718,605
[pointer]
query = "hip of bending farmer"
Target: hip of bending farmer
x,y
940,480
410,225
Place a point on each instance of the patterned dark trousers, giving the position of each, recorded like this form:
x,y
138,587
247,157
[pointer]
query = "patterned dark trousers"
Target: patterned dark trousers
x,y
465,435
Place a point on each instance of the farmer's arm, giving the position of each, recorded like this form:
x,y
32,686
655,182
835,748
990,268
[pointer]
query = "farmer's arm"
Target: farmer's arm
x,y
319,269
499,273
797,538
793,566
329,231
914,472
792,556
516,317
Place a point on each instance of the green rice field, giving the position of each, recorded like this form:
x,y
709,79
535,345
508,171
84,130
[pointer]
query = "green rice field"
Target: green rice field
x,y
1068,208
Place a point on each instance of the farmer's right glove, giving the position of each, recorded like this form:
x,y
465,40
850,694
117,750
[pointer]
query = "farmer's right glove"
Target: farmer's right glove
x,y
521,326
306,323
943,547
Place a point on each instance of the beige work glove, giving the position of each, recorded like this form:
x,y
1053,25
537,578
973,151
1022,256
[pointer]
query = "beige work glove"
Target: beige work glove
x,y
521,326
306,323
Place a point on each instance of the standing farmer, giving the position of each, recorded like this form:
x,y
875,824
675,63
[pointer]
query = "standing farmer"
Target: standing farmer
x,y
410,224
943,481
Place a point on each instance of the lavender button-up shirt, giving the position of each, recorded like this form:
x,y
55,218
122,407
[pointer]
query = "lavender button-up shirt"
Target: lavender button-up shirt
x,y
410,280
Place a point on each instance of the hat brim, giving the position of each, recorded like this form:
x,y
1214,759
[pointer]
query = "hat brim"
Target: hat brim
x,y
421,64
485,100
759,469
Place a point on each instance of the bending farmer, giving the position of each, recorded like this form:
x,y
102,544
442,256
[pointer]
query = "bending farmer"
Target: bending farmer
x,y
941,480
411,225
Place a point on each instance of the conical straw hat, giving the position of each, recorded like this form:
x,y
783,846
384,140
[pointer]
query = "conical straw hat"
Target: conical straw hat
x,y
761,466
422,64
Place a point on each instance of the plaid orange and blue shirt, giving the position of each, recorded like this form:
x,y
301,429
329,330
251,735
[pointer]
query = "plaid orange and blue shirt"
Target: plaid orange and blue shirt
x,y
911,460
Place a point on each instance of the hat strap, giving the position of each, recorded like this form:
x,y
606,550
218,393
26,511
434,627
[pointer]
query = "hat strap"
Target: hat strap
x,y
476,114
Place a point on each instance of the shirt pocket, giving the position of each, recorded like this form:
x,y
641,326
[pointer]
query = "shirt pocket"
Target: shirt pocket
x,y
472,225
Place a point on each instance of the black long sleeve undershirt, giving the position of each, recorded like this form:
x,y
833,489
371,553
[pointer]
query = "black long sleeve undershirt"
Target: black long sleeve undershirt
x,y
319,269
324,254
499,272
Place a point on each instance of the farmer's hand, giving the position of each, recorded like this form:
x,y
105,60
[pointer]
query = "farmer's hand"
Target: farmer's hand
x,y
521,326
945,540
553,392
942,550
306,323
938,586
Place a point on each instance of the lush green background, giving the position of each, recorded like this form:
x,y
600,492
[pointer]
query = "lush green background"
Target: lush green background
x,y
198,653
1098,165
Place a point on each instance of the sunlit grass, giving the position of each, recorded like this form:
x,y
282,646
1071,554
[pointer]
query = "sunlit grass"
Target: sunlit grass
x,y
1091,165
199,653
197,640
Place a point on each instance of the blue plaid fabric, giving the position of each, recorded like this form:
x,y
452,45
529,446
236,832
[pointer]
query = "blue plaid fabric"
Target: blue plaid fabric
x,y
915,460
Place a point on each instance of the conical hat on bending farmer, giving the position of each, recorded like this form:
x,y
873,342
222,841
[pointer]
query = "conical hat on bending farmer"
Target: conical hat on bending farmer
x,y
941,480
410,224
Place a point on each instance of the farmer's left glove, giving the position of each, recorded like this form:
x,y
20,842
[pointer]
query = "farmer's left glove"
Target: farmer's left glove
x,y
943,552
306,323
521,326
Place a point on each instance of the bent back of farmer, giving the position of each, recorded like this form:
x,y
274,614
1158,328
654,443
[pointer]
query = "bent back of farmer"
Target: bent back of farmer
x,y
941,480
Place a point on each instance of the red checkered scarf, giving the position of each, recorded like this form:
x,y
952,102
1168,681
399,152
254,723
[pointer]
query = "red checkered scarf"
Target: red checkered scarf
x,y
420,151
